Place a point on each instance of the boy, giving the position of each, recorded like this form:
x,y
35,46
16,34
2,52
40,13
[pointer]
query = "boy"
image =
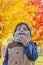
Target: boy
x,y
21,51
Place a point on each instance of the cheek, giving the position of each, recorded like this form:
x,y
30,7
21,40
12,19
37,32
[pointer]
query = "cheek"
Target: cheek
x,y
17,30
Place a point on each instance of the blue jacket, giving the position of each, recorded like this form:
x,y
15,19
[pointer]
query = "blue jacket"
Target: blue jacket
x,y
30,50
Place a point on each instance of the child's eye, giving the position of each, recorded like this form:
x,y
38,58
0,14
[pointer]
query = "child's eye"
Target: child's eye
x,y
19,29
25,29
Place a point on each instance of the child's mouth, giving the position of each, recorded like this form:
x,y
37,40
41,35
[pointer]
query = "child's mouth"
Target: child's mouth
x,y
22,34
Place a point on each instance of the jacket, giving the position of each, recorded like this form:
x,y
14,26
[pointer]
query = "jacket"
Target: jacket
x,y
20,54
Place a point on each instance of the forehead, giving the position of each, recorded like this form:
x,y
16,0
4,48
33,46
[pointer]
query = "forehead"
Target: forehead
x,y
22,25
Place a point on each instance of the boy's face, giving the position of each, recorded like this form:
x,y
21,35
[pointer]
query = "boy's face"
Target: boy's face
x,y
24,34
21,28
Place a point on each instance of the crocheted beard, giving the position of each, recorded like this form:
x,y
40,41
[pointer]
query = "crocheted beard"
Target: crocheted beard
x,y
18,34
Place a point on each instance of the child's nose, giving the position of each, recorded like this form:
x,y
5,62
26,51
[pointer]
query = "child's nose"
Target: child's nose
x,y
21,30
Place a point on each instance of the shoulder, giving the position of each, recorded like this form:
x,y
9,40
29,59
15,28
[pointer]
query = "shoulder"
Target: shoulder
x,y
11,45
33,43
